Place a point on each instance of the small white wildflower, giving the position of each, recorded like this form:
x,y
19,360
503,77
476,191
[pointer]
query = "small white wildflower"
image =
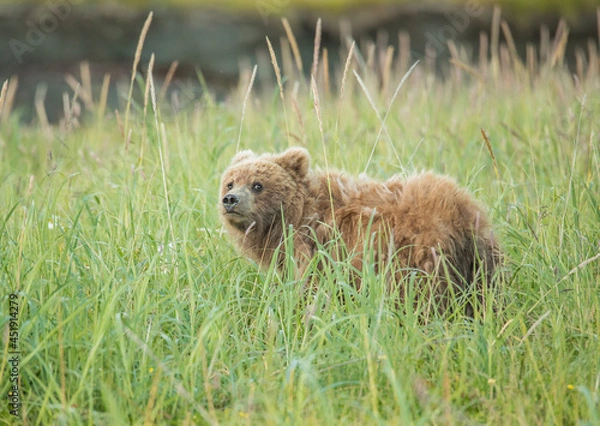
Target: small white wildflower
x,y
54,222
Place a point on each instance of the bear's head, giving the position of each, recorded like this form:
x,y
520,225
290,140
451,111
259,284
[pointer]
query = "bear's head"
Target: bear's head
x,y
257,191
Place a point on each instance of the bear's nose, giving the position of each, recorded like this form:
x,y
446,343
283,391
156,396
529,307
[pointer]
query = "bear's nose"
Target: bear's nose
x,y
230,201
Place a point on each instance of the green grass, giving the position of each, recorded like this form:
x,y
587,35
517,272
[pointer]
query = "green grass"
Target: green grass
x,y
135,309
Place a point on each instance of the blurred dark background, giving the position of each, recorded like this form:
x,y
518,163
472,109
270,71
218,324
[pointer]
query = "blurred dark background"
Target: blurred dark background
x,y
41,43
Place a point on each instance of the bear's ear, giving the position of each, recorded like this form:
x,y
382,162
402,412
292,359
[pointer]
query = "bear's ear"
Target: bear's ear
x,y
242,155
296,160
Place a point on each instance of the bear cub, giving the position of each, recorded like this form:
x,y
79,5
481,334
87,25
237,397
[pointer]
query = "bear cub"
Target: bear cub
x,y
425,224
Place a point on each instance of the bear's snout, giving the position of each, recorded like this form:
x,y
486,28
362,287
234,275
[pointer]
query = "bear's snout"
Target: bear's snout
x,y
230,201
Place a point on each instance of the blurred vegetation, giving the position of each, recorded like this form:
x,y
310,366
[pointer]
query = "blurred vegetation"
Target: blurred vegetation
x,y
533,7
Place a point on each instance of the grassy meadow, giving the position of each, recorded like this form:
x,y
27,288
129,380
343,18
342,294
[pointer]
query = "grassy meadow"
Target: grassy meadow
x,y
134,308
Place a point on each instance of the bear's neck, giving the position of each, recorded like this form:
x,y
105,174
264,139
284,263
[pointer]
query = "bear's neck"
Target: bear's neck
x,y
330,191
267,238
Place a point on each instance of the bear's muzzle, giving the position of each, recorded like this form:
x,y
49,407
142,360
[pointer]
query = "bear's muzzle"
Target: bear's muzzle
x,y
230,201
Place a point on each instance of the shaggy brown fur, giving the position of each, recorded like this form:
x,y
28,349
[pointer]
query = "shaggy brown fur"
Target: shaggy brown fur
x,y
426,223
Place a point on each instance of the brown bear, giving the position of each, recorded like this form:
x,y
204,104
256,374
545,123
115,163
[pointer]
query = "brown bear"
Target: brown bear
x,y
424,224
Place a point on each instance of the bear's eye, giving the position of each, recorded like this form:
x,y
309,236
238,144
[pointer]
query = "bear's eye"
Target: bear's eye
x,y
230,186
257,187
